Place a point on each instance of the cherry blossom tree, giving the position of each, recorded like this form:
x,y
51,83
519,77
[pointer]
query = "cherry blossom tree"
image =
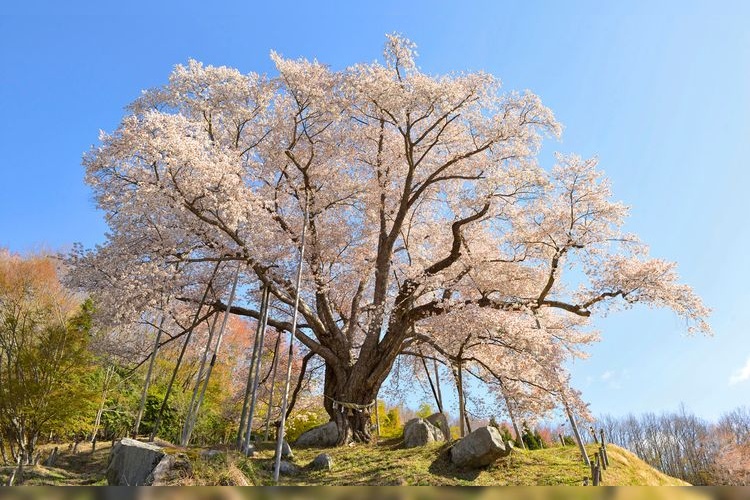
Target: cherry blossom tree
x,y
428,217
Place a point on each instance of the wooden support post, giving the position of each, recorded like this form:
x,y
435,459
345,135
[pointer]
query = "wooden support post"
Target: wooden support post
x,y
577,434
593,434
595,470
562,441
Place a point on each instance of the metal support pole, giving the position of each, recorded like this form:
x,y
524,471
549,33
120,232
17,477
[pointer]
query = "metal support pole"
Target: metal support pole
x,y
182,352
273,384
198,378
213,357
250,370
285,400
256,380
146,384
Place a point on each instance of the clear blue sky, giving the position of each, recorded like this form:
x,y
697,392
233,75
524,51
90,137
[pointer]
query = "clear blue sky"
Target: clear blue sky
x,y
659,90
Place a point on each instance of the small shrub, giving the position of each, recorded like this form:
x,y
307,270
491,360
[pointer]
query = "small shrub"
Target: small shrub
x,y
304,421
424,411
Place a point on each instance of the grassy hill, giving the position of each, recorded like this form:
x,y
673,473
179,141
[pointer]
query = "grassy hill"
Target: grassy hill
x,y
389,464
385,463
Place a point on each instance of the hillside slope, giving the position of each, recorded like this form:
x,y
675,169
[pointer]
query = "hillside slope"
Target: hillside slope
x,y
386,463
389,464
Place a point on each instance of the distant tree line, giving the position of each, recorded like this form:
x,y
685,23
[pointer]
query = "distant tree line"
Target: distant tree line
x,y
688,447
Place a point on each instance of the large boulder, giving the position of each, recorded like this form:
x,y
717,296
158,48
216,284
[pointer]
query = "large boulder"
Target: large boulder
x,y
131,462
321,436
479,448
419,432
440,421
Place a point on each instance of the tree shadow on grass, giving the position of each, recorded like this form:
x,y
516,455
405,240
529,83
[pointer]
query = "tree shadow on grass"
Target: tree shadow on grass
x,y
393,443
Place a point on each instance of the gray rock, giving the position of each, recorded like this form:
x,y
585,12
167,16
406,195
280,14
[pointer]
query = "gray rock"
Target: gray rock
x,y
440,421
171,468
321,436
479,448
322,462
287,468
419,432
286,451
211,454
131,462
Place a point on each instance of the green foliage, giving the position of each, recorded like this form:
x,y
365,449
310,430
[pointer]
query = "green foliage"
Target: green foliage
x,y
169,427
505,432
503,429
425,410
455,432
390,420
532,440
123,393
46,382
304,420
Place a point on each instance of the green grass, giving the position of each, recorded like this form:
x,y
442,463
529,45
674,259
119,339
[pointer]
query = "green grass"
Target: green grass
x,y
384,463
387,463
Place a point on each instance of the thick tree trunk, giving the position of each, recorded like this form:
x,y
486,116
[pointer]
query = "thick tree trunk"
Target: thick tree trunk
x,y
350,404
